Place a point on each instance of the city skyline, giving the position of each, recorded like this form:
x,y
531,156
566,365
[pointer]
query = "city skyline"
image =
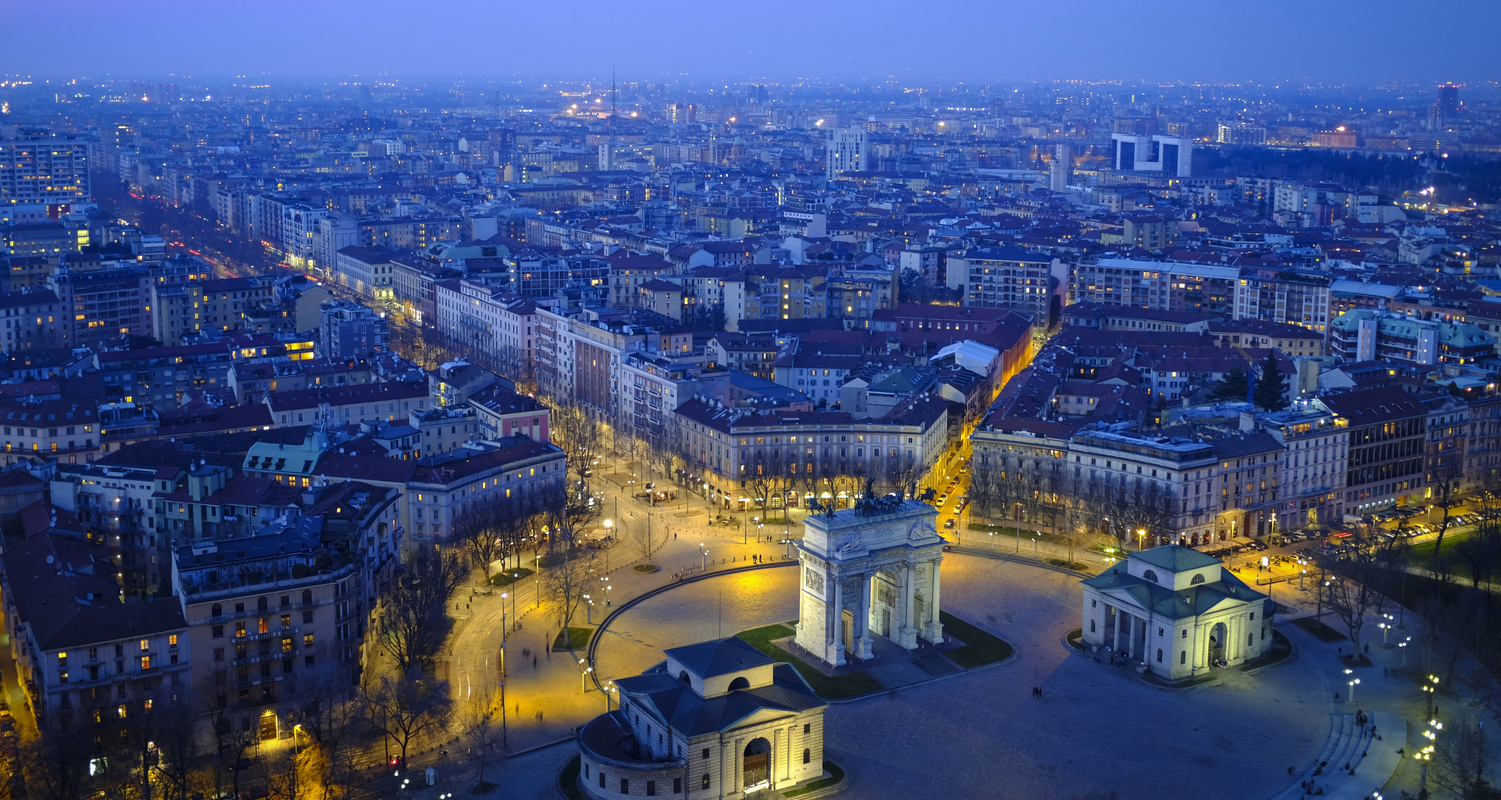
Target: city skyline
x,y
777,41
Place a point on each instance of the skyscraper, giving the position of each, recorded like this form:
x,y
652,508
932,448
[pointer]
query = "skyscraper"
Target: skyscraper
x,y
1448,100
847,151
39,167
1058,171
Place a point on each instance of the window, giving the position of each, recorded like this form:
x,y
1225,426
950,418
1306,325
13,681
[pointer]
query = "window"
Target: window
x,y
172,640
218,654
216,610
807,755
601,780
286,621
651,788
706,780
677,786
307,640
1183,657
145,645
1185,634
706,754
1159,655
807,728
1091,626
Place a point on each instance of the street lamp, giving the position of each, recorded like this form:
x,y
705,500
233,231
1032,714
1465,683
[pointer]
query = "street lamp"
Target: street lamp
x,y
1431,688
1141,538
1274,524
703,558
606,580
1352,684
584,678
1402,648
588,609
1386,626
609,524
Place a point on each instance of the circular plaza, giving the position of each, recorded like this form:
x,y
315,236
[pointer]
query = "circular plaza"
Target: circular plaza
x,y
1094,729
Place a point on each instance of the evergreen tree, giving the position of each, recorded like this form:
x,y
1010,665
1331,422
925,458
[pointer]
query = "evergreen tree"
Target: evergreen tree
x,y
1271,387
1233,387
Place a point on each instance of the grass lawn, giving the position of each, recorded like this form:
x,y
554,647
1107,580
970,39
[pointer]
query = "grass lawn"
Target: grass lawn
x,y
510,576
835,775
646,569
1319,629
573,639
1076,638
852,684
979,647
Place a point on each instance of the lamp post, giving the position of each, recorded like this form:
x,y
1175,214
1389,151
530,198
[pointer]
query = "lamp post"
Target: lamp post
x,y
1034,546
606,581
1402,648
1352,684
1386,626
1141,538
703,558
1430,687
609,525
584,678
1274,524
588,609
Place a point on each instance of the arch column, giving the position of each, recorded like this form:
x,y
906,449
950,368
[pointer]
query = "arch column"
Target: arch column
x,y
907,633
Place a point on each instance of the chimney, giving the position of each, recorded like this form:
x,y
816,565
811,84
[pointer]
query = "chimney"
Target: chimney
x,y
1247,422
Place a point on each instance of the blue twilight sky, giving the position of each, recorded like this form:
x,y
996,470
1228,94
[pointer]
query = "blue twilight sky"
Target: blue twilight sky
x,y
1219,40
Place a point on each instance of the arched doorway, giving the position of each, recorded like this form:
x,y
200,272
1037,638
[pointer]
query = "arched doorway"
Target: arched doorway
x,y
757,766
1217,641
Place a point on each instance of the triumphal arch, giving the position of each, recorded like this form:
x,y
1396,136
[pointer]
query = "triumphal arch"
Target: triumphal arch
x,y
869,571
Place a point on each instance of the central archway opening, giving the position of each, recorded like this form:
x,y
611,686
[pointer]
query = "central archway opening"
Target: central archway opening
x,y
1217,636
757,766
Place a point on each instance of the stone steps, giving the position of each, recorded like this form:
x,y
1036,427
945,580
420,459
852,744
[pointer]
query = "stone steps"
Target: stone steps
x,y
1373,761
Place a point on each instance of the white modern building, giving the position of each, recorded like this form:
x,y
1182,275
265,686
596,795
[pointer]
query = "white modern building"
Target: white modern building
x,y
848,151
1170,155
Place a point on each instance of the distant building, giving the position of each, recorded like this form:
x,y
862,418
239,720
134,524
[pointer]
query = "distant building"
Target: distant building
x,y
348,330
1170,155
1240,133
847,152
41,168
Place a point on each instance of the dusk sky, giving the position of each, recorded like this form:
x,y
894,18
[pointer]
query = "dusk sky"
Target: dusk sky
x,y
1087,39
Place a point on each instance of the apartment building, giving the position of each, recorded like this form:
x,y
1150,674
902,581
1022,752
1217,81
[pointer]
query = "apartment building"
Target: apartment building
x,y
1388,444
1005,277
1158,285
87,660
1315,446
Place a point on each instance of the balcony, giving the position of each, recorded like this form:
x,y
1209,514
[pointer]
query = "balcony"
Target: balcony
x,y
270,634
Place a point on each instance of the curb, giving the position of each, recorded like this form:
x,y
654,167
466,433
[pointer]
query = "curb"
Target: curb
x,y
604,624
1016,559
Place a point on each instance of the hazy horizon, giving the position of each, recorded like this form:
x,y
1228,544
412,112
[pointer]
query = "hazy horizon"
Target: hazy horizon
x,y
1173,40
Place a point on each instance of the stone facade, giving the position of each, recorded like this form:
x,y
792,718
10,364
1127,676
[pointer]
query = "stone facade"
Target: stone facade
x,y
1175,611
874,569
718,719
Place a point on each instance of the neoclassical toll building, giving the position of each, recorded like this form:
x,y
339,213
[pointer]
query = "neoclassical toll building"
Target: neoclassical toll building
x,y
717,719
1177,611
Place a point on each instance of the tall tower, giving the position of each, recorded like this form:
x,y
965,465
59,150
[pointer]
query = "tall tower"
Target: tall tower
x,y
847,151
1449,104
1058,171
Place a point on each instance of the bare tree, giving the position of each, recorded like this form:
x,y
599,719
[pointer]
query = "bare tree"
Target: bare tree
x,y
483,735
478,531
52,764
1460,761
648,540
1354,593
415,622
1445,480
581,436
405,708
569,579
